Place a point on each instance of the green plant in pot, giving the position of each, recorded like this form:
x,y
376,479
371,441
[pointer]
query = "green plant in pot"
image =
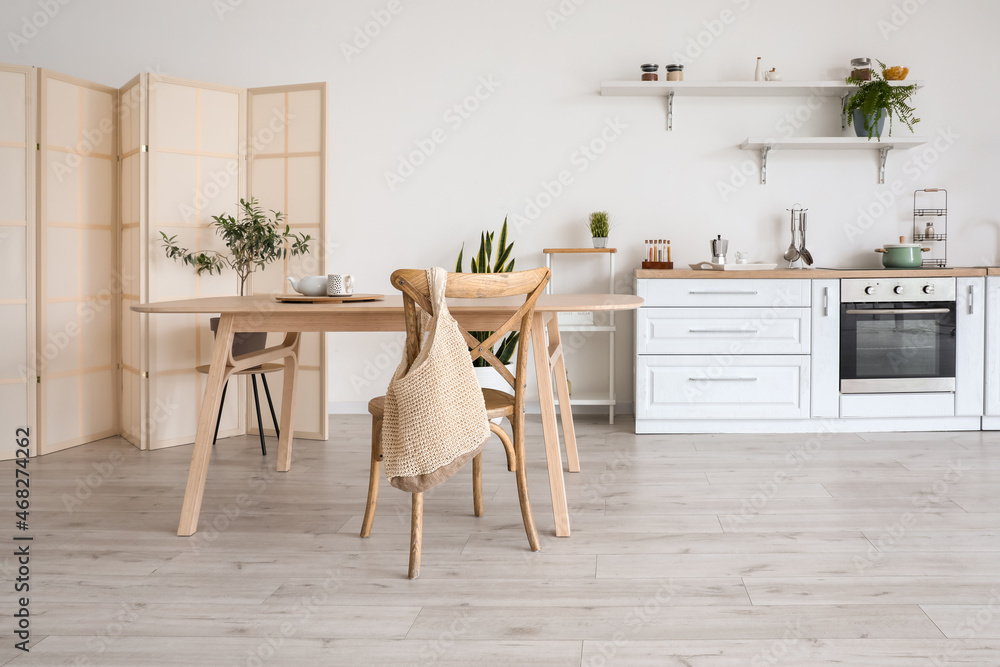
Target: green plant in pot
x,y
254,240
483,262
600,227
875,100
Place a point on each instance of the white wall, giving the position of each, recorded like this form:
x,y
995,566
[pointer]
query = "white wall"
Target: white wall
x,y
433,55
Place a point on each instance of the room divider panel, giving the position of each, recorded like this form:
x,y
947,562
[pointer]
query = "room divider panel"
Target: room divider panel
x,y
78,289
17,254
91,176
287,151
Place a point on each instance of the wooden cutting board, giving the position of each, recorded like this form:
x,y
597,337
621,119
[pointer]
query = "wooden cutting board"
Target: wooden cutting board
x,y
298,298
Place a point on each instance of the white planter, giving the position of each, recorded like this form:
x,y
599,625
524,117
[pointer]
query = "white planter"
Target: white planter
x,y
489,378
600,241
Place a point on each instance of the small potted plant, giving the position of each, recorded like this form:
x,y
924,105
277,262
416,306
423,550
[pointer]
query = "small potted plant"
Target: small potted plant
x,y
868,107
254,241
483,263
599,227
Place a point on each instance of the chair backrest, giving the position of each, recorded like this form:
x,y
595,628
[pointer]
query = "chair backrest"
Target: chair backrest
x,y
416,296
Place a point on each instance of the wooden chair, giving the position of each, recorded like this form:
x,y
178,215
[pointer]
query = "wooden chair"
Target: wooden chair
x,y
253,373
413,284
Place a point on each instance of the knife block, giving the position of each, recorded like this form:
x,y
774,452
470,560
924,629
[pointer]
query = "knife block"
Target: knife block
x,y
657,265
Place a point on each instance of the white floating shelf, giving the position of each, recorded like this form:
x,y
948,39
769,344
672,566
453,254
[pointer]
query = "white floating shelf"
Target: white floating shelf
x,y
831,143
734,88
766,144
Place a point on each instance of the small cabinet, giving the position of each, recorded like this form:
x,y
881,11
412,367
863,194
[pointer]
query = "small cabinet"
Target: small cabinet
x,y
825,386
970,346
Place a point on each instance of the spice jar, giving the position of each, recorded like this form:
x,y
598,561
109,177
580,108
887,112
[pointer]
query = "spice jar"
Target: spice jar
x,y
675,72
861,68
649,73
929,230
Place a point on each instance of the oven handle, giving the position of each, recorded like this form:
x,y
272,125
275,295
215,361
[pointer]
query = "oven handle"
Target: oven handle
x,y
898,311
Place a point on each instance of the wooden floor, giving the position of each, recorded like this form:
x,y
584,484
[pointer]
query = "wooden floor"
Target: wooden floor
x,y
686,550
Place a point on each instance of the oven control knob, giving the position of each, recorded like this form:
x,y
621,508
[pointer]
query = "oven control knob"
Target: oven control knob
x,y
870,290
898,289
928,289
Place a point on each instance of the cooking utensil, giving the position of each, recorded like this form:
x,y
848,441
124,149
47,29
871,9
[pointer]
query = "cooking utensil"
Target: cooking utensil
x,y
902,255
806,255
719,248
792,254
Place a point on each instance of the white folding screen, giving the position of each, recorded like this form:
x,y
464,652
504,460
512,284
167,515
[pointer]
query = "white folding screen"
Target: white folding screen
x,y
287,156
17,254
77,338
80,222
196,154
132,251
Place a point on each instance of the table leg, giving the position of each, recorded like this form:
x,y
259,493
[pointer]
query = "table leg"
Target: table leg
x,y
288,404
562,388
543,373
217,376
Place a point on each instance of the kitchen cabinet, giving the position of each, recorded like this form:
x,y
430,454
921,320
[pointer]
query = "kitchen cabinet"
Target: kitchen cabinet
x,y
825,348
725,354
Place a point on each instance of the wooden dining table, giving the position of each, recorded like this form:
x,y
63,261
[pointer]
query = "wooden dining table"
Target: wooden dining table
x,y
265,313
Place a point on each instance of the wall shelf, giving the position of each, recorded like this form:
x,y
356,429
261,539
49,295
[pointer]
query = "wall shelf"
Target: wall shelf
x,y
766,144
669,89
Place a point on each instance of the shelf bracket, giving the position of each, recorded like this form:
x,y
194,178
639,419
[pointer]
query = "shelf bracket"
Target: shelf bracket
x,y
882,153
843,111
763,164
670,111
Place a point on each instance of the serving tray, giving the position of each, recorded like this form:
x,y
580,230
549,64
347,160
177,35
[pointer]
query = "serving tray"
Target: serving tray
x,y
298,298
754,266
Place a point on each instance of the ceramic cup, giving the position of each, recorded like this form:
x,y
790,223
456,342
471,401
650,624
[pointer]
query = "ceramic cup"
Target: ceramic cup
x,y
339,284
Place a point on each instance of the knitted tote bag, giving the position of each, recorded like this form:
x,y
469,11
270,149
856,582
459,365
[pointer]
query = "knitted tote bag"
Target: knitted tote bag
x,y
435,416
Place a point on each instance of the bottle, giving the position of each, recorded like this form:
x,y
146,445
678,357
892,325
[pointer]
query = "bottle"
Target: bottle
x,y
929,230
758,74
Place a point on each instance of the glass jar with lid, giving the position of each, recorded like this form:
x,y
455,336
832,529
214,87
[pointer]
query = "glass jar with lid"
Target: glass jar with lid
x,y
861,68
649,72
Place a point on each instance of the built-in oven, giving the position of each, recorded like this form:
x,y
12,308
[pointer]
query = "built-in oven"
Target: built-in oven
x,y
897,335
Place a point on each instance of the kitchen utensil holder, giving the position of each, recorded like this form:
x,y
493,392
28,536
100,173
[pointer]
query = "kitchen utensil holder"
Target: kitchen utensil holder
x,y
657,265
938,256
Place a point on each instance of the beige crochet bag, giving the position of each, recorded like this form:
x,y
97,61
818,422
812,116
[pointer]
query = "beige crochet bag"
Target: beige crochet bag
x,y
435,416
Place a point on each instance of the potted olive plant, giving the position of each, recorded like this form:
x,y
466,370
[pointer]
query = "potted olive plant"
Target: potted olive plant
x,y
254,241
868,107
600,227
483,263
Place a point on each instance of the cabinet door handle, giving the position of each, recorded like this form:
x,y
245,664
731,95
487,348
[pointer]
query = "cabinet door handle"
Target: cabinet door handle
x,y
897,311
722,379
826,302
972,293
745,292
735,331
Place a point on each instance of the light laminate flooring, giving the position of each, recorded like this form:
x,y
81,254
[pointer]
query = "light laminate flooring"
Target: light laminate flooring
x,y
695,550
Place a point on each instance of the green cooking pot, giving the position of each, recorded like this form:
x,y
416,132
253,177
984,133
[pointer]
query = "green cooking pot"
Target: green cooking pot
x,y
902,255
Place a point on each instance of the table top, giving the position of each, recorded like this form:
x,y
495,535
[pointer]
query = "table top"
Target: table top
x,y
393,304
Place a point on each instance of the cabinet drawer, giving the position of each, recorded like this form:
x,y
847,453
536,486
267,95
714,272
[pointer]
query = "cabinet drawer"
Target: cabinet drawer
x,y
696,292
719,387
723,331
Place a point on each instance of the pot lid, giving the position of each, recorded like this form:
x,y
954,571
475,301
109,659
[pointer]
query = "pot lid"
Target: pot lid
x,y
902,245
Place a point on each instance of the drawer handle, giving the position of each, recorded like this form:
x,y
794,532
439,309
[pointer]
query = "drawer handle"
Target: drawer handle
x,y
736,331
747,292
722,379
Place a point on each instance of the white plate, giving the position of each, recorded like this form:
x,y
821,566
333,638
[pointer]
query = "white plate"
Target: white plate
x,y
753,266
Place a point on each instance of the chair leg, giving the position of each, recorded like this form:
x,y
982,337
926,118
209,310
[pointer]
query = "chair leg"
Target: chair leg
x,y
416,534
218,419
373,477
477,484
517,426
270,405
260,423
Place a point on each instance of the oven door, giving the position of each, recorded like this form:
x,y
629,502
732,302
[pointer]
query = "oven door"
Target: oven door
x,y
901,347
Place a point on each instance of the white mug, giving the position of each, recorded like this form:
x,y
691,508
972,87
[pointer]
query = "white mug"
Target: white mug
x,y
339,284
